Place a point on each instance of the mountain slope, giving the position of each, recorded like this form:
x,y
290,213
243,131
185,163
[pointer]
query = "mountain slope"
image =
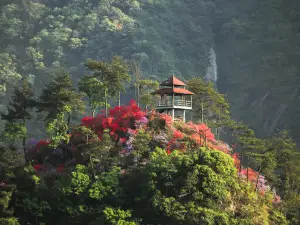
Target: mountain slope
x,y
256,45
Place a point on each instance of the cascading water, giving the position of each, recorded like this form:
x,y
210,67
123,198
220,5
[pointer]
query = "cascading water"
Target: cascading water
x,y
212,69
212,76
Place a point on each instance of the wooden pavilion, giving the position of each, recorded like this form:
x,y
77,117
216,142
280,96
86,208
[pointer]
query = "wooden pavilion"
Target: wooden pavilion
x,y
174,99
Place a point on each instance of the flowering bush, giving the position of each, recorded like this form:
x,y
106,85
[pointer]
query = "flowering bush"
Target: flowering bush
x,y
125,122
119,120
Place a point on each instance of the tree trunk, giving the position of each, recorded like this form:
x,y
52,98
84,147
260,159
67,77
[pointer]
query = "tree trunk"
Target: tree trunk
x,y
119,99
138,95
202,113
69,119
256,186
106,103
24,141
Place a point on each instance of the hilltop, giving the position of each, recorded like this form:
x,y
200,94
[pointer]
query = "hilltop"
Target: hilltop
x,y
137,167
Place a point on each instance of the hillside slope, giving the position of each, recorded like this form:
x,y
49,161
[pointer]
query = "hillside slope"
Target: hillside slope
x,y
256,45
141,168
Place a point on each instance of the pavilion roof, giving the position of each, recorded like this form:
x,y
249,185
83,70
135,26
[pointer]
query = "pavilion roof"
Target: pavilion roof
x,y
173,90
173,81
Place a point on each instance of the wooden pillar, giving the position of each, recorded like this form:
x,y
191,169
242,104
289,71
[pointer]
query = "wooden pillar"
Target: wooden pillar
x,y
173,114
173,100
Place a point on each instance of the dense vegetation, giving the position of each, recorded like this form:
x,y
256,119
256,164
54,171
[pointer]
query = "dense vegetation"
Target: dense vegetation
x,y
133,166
125,165
256,42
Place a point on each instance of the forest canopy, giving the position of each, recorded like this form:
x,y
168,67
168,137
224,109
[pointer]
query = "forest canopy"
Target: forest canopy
x,y
74,150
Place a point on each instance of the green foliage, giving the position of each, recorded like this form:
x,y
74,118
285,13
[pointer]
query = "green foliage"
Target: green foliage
x,y
57,102
143,87
112,75
196,188
147,87
79,181
141,144
117,217
107,184
18,113
59,96
209,106
277,158
93,88
14,132
37,38
9,221
58,128
8,71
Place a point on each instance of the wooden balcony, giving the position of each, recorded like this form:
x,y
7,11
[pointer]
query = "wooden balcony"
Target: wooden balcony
x,y
177,104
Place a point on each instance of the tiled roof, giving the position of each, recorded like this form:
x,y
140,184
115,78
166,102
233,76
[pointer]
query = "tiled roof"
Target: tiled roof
x,y
173,90
173,81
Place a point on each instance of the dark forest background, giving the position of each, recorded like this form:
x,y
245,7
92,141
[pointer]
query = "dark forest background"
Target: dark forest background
x,y
256,44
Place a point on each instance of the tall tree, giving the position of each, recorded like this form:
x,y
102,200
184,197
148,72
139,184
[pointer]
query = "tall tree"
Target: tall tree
x,y
209,105
143,87
137,74
8,72
19,112
278,159
113,75
10,160
93,88
147,86
58,101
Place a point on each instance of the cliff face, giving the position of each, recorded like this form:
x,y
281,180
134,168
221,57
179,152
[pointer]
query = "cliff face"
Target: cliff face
x,y
257,50
256,46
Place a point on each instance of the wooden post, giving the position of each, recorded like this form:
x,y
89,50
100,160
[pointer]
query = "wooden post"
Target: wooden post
x,y
173,112
173,100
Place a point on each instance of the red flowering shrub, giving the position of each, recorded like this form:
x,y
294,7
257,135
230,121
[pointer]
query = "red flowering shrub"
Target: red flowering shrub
x,y
38,167
237,161
250,173
221,146
168,119
124,122
120,119
178,134
60,168
41,144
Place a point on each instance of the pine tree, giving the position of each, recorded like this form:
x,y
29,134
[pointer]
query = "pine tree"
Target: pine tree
x,y
137,74
19,112
9,161
209,105
278,159
147,86
58,101
143,87
113,75
93,88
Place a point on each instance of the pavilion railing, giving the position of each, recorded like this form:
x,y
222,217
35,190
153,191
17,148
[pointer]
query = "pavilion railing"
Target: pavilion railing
x,y
178,103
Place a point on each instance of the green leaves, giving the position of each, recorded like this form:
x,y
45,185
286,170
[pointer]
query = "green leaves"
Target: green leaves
x,y
58,101
112,76
19,112
94,90
8,71
117,216
106,185
14,132
209,105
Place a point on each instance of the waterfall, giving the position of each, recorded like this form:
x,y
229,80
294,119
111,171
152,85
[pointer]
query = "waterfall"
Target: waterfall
x,y
212,69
